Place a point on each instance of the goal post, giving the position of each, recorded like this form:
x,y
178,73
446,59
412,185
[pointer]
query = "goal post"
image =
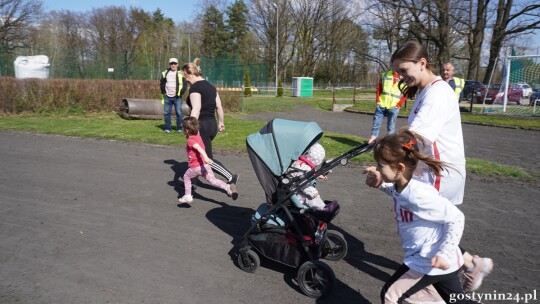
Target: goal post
x,y
520,79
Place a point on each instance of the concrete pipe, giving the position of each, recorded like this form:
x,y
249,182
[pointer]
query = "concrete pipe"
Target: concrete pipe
x,y
146,108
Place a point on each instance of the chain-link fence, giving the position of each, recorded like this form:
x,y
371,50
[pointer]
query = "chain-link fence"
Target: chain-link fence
x,y
225,71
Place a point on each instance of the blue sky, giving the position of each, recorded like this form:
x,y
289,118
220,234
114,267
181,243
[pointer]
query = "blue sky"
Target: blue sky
x,y
178,10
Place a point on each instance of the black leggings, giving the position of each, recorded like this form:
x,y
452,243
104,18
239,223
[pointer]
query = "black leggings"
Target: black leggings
x,y
208,129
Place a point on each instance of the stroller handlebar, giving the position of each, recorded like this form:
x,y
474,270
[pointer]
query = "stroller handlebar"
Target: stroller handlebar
x,y
329,165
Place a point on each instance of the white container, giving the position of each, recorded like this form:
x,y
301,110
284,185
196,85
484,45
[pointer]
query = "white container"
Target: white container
x,y
32,67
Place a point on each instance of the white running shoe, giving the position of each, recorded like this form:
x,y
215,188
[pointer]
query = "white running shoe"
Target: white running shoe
x,y
186,199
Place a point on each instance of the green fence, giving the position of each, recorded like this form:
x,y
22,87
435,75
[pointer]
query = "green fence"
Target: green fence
x,y
225,71
229,71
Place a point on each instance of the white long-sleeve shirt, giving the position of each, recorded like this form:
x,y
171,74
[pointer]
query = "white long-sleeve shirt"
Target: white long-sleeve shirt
x,y
429,225
435,115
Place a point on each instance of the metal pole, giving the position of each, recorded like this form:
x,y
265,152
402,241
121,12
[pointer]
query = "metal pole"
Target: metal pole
x,y
277,34
506,85
189,46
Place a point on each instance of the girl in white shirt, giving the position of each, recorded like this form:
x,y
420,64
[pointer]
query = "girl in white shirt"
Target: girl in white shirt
x,y
429,225
435,116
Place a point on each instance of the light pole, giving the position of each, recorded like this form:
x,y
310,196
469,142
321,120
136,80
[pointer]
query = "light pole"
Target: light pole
x,y
189,46
277,32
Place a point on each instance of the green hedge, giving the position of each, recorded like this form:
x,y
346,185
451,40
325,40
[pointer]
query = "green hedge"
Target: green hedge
x,y
50,95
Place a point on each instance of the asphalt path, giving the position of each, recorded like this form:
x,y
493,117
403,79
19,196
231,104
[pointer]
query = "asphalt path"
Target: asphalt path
x,y
98,221
508,146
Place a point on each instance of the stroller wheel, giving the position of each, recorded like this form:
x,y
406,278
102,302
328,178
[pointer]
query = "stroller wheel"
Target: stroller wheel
x,y
334,247
248,260
316,279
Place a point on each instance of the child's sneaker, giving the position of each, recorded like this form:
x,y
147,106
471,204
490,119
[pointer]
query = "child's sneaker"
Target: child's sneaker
x,y
474,277
234,183
331,206
186,199
231,191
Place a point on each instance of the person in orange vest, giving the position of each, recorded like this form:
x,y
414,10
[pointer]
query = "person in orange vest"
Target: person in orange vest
x,y
389,99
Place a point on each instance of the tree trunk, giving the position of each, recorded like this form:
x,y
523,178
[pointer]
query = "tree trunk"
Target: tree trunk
x,y
499,33
476,38
443,55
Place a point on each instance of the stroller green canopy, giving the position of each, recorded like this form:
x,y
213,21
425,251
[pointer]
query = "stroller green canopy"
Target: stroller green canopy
x,y
276,146
282,141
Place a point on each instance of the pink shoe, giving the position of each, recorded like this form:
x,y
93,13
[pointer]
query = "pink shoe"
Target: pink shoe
x,y
474,277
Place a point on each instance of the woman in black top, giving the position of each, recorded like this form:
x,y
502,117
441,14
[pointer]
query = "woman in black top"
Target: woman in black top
x,y
204,101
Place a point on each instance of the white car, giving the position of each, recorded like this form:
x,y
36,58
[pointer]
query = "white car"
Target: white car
x,y
527,90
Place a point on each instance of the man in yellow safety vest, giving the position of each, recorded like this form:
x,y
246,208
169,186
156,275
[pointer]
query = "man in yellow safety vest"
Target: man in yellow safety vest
x,y
172,86
456,83
389,99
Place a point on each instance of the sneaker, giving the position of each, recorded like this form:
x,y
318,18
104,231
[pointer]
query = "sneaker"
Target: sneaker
x,y
186,199
331,206
234,180
232,184
473,278
180,131
231,191
167,131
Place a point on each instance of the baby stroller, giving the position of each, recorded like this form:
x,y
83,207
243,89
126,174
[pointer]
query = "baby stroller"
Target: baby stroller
x,y
282,229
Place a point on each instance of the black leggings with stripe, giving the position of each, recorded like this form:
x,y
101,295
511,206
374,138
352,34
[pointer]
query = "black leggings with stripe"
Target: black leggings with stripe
x,y
208,129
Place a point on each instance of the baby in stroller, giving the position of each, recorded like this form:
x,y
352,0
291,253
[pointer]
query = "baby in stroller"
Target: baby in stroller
x,y
309,195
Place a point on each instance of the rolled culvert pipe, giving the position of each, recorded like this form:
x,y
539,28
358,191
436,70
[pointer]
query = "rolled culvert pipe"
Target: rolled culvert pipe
x,y
146,108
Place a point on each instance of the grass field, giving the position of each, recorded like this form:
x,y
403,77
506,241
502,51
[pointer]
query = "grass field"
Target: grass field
x,y
109,125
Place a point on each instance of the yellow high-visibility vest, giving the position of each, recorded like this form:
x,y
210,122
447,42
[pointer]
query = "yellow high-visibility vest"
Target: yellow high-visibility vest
x,y
179,80
460,83
390,94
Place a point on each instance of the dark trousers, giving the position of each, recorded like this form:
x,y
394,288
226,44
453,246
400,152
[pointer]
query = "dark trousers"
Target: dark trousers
x,y
208,130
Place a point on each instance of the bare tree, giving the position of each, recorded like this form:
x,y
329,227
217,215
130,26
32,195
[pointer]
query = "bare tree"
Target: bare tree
x,y
323,30
115,36
16,18
475,36
511,20
389,27
263,22
438,24
66,42
343,43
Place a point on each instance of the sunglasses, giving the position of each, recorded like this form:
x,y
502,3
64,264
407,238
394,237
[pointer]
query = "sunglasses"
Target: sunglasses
x,y
173,63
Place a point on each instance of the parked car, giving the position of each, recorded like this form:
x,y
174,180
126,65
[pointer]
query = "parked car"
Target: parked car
x,y
527,90
534,99
496,95
469,89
